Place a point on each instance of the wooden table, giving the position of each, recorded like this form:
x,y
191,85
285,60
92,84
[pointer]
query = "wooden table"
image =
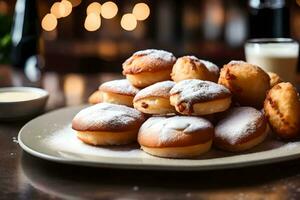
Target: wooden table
x,y
23,176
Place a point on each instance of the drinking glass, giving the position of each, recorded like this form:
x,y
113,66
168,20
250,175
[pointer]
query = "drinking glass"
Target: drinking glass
x,y
278,55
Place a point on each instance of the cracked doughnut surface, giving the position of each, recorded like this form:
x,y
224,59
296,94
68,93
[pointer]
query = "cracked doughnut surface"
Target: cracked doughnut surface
x,y
282,108
248,83
191,67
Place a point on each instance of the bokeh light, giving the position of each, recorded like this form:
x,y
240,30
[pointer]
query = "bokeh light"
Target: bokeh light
x,y
49,22
92,22
58,10
141,11
109,9
128,22
74,87
68,7
94,7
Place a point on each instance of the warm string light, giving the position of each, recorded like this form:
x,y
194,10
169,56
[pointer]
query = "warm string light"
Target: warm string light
x,y
68,7
94,7
57,10
92,22
128,22
49,22
141,11
109,10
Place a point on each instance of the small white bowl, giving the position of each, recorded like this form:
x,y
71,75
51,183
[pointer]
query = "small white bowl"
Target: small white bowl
x,y
16,110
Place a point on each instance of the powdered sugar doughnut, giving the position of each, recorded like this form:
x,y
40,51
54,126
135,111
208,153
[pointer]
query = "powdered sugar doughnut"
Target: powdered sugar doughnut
x,y
107,124
118,92
196,97
149,66
241,128
176,137
155,99
191,67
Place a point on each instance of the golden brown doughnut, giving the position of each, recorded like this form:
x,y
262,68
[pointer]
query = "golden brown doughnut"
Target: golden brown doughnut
x,y
118,92
197,97
274,79
282,108
95,97
241,129
107,124
155,99
146,67
191,67
248,83
176,137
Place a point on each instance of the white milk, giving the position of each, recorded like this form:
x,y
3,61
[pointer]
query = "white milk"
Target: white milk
x,y
280,58
18,96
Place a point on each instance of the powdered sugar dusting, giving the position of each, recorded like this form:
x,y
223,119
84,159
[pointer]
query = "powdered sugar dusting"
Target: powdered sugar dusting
x,y
238,123
122,86
160,89
194,58
107,116
193,90
157,54
211,67
169,128
68,145
236,62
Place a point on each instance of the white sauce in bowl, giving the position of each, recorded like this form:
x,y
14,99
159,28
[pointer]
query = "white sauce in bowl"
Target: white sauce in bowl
x,y
18,96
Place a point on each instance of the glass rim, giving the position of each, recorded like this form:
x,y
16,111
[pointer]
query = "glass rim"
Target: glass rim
x,y
271,41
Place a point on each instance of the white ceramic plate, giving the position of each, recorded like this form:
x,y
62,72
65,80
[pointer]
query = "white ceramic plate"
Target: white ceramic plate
x,y
50,137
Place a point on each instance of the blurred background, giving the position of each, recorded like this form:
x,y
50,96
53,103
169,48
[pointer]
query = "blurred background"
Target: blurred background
x,y
90,36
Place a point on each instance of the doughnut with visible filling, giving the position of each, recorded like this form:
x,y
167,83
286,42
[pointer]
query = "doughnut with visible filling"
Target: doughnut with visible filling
x,y
282,108
95,97
118,92
176,137
274,79
155,99
197,97
191,67
241,129
107,124
248,83
149,66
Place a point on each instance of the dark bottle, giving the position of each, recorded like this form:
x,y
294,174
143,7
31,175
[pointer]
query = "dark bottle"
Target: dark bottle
x,y
268,19
25,32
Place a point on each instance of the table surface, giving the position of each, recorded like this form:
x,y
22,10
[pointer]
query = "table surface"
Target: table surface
x,y
23,176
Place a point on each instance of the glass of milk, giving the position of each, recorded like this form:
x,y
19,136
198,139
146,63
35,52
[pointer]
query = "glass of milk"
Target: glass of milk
x,y
278,55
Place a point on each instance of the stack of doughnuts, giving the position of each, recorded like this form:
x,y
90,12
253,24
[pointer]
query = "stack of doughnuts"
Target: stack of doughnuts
x,y
181,108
